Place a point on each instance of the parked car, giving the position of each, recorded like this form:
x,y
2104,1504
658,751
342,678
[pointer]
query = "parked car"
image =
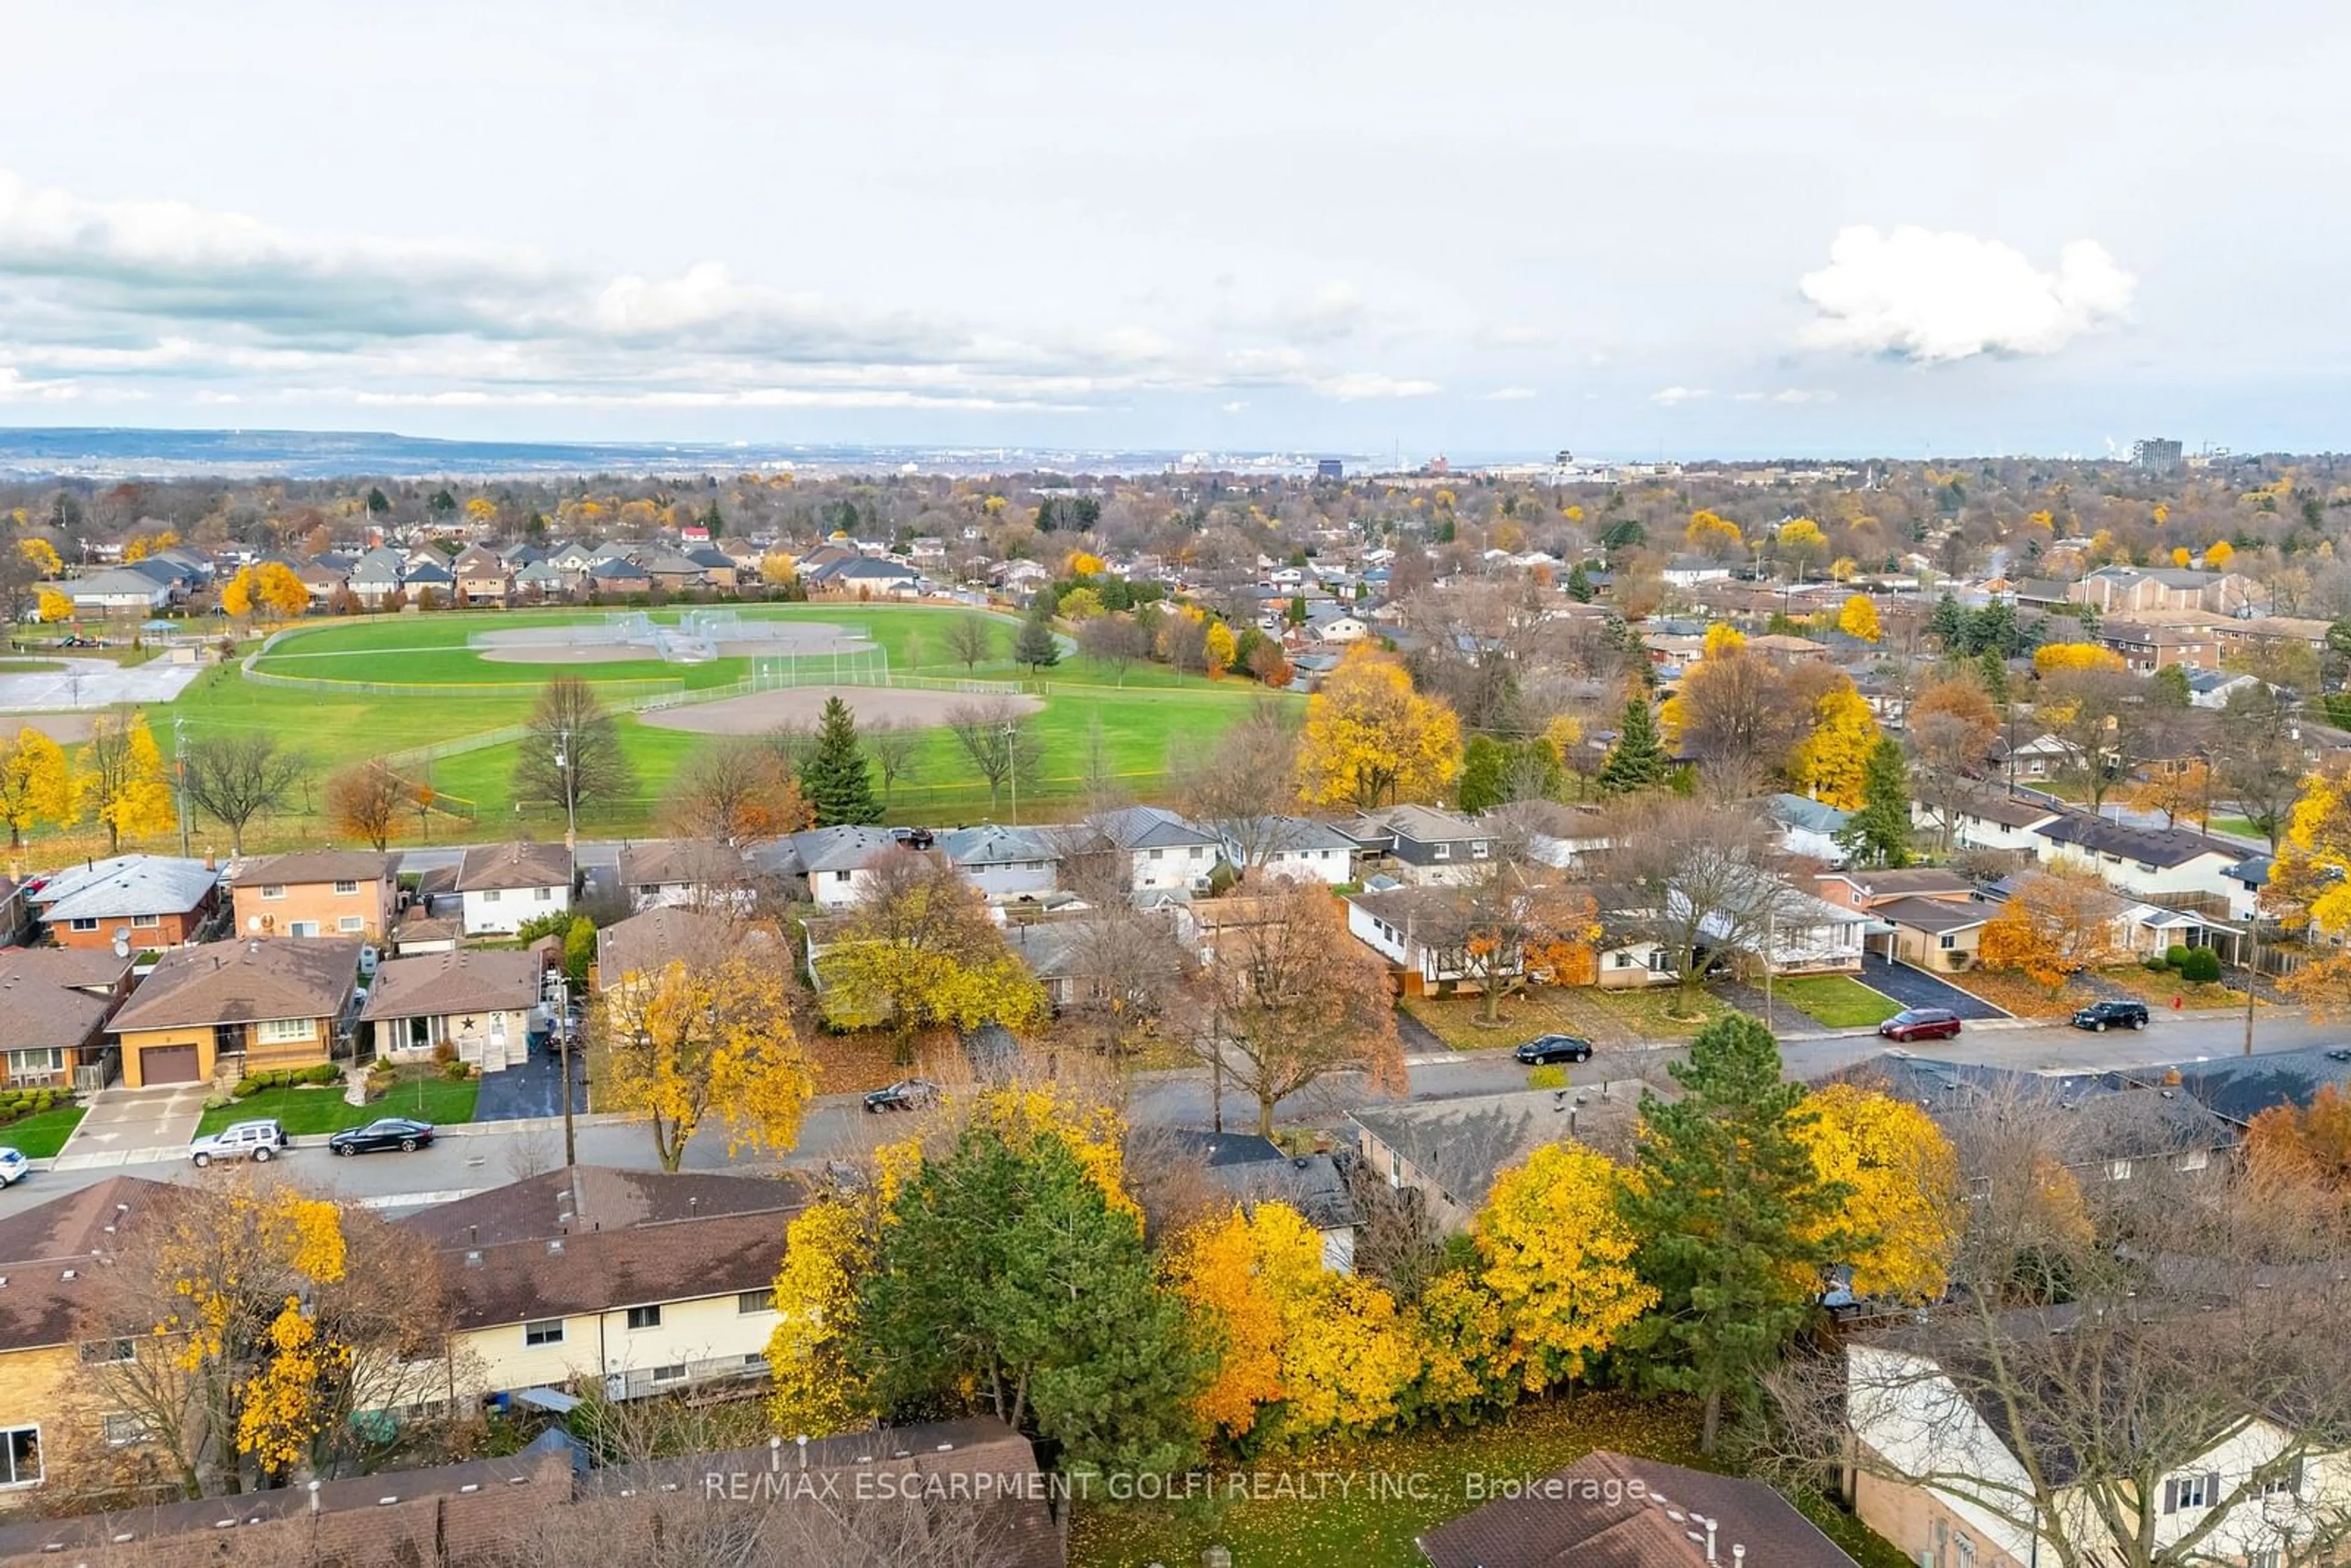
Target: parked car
x,y
1921,1023
385,1132
1550,1048
906,1095
911,838
14,1166
258,1139
2112,1015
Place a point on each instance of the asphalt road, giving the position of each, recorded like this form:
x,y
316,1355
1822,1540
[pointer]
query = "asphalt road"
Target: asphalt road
x,y
837,1127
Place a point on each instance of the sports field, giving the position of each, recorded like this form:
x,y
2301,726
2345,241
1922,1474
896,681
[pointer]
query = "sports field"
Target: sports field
x,y
417,688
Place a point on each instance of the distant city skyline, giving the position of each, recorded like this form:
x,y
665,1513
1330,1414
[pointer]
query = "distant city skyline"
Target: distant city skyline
x,y
1824,230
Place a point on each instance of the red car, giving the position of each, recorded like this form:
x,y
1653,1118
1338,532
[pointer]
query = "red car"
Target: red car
x,y
1921,1023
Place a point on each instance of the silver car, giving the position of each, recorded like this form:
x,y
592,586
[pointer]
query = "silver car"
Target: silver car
x,y
258,1141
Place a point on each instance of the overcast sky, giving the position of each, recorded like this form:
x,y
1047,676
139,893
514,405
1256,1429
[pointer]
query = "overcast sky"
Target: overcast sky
x,y
1713,227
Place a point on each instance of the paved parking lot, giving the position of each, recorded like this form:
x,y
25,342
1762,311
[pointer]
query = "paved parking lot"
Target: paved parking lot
x,y
1917,988
94,684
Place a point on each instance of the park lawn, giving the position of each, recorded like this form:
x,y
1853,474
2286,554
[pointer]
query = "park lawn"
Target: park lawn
x,y
1837,1000
41,1136
2241,826
1303,1525
426,1097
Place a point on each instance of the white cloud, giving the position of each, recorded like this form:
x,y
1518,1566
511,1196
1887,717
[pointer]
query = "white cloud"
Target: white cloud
x,y
1509,395
1669,396
1360,385
1235,406
1798,394
1934,298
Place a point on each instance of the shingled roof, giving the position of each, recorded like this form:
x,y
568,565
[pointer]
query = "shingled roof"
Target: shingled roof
x,y
244,982
47,1254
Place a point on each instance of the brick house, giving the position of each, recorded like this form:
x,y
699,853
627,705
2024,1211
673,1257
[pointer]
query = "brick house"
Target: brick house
x,y
232,1007
316,893
147,901
53,1007
479,1004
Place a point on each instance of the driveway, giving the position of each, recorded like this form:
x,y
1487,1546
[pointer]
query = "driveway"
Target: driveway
x,y
128,1125
534,1089
1917,988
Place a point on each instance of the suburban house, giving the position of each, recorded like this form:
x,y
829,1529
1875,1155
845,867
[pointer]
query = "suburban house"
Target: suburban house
x,y
478,1003
1871,889
2171,866
1069,957
835,861
1990,821
684,871
1550,834
1449,1151
1425,933
58,1434
646,1281
500,887
146,901
1941,1470
1808,827
1610,1511
481,577
646,943
1002,861
1251,1170
1297,847
53,1007
232,1007
115,590
1933,918
1166,852
1421,843
2146,649
316,893
1807,935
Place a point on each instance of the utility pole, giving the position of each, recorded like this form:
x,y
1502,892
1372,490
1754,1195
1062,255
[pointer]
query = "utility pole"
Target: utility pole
x,y
563,1046
179,762
2252,973
1012,764
570,797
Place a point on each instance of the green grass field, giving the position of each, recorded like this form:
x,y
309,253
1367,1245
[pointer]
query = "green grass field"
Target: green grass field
x,y
425,1097
40,1136
1836,1001
1146,721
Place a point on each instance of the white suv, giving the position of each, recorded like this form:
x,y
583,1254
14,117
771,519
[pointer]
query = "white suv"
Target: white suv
x,y
258,1139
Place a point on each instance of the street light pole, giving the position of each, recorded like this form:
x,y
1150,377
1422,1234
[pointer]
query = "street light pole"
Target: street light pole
x,y
2252,973
563,1047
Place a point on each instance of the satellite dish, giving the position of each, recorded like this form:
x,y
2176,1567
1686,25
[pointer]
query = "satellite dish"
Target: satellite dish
x,y
121,948
253,923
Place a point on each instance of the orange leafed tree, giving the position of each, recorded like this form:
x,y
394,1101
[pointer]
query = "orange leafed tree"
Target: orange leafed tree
x,y
2054,656
2054,924
2303,1146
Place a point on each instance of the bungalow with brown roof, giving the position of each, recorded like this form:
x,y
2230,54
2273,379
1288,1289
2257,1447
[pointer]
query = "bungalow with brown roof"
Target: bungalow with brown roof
x,y
701,872
316,893
647,1282
54,1005
228,1009
476,1003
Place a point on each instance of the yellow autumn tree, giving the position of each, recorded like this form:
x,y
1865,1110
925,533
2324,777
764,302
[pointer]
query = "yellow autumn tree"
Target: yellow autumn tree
x,y
237,595
1220,650
1902,1179
283,1412
1082,563
1859,619
1558,1257
778,570
1214,1268
1711,535
1723,639
281,591
1843,569
1372,740
1831,762
2052,657
54,607
827,1251
2055,924
708,1036
42,554
2310,885
1021,1112
1801,540
36,783
2217,555
121,780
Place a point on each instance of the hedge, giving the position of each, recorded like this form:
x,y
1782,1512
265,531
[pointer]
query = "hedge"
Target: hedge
x,y
252,1083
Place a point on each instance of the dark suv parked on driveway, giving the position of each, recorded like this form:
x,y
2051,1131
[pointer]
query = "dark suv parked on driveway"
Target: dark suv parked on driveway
x,y
2112,1015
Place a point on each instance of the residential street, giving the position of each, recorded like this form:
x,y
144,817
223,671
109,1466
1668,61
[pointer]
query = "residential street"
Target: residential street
x,y
837,1127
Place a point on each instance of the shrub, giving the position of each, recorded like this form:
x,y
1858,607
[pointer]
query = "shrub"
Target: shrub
x,y
2176,957
445,1054
2155,963
1548,1076
2202,965
455,1072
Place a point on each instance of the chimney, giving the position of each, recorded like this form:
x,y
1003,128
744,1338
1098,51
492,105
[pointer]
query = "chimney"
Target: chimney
x,y
210,864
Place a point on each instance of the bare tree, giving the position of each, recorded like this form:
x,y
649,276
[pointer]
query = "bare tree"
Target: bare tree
x,y
971,641
895,748
999,741
1705,879
1741,714
367,801
1246,783
572,756
1130,970
1119,641
2259,758
235,777
737,790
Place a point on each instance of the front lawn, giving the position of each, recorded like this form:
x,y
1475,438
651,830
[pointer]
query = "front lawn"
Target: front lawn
x,y
2157,991
2025,997
1374,1496
1837,1000
425,1096
1604,1018
39,1136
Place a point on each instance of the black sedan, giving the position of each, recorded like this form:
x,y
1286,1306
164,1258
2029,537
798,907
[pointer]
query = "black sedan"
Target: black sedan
x,y
1546,1048
906,1095
389,1133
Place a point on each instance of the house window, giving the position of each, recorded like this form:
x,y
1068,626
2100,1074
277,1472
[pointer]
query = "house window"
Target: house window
x,y
1947,941
1159,855
1442,852
1967,1552
345,889
88,924
351,923
273,890
2267,1557
2118,1170
544,895
147,921
644,1317
285,1031
842,875
1620,959
489,895
2189,1491
103,1351
549,1331
2286,1484
303,928
2195,1159
674,1372
39,1062
755,1301
1477,850
121,1431
20,1456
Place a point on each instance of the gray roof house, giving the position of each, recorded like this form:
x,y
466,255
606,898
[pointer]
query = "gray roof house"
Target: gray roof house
x,y
1422,843
132,889
1168,853
834,859
1003,861
1288,846
1450,1151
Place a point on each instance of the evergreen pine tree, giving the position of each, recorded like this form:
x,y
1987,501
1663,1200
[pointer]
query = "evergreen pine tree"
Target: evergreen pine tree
x,y
1735,1224
1879,832
1579,583
1035,646
1638,760
834,779
1482,763
1994,669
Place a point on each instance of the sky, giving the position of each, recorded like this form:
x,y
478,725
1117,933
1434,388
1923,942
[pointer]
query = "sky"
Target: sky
x,y
1706,229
